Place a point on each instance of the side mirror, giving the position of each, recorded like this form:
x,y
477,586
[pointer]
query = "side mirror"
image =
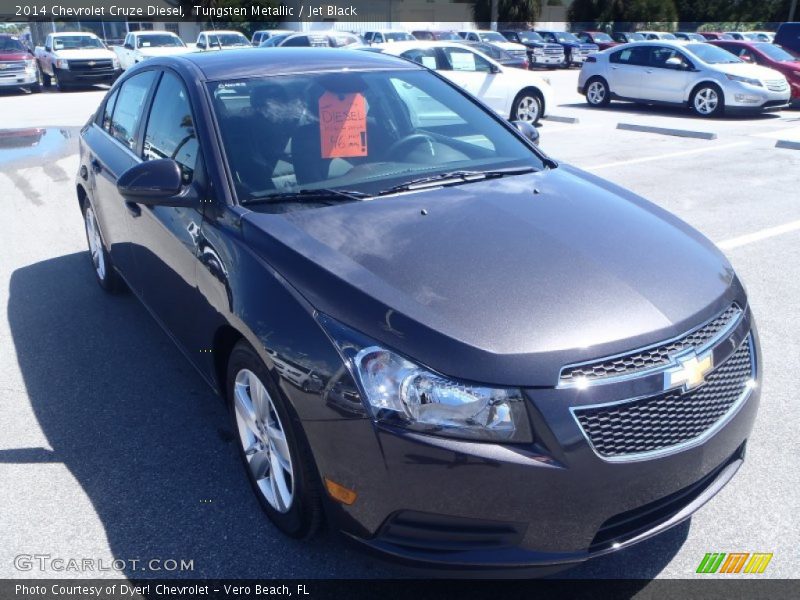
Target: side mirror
x,y
529,131
494,69
129,46
156,183
674,63
200,44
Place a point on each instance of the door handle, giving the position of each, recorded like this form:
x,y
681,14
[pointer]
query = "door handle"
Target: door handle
x,y
614,68
133,208
96,166
649,71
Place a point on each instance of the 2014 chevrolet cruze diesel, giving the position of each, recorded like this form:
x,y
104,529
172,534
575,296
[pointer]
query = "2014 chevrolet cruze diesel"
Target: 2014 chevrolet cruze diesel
x,y
454,349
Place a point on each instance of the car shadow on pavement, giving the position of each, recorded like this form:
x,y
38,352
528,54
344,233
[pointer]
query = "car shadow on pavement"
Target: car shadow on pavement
x,y
677,112
149,443
145,437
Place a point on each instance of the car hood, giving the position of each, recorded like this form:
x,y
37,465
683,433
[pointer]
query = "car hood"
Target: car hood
x,y
496,283
163,51
748,70
512,46
85,53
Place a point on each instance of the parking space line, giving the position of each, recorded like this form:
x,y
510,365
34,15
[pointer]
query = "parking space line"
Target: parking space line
x,y
702,135
759,235
633,161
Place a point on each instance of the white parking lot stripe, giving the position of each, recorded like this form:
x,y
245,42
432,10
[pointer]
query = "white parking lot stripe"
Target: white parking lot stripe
x,y
633,161
759,235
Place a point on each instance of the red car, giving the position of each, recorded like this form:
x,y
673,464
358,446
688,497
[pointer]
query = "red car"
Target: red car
x,y
711,35
769,55
17,66
603,40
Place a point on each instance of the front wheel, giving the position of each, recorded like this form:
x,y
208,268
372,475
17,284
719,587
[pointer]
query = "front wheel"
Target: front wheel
x,y
527,107
708,101
277,460
597,92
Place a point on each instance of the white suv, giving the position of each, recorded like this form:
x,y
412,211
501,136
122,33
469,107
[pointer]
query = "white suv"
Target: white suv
x,y
708,79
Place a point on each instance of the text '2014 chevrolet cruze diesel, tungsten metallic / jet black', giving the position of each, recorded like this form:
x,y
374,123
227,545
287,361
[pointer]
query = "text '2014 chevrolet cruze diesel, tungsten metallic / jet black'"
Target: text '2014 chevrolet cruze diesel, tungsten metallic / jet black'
x,y
455,350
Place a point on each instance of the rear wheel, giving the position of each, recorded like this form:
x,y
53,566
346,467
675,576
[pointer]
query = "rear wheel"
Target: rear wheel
x,y
104,270
597,92
527,107
277,460
60,85
707,100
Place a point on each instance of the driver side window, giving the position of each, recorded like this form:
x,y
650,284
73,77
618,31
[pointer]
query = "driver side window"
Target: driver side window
x,y
459,59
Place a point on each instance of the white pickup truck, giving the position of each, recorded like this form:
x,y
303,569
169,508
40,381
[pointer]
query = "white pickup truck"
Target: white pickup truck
x,y
76,58
221,40
141,45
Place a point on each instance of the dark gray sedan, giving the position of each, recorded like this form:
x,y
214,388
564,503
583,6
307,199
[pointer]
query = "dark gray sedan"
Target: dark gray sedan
x,y
453,349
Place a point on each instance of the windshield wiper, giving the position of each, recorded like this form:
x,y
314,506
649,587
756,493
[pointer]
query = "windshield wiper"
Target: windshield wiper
x,y
453,178
327,195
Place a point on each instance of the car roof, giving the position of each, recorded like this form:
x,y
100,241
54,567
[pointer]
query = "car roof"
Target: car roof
x,y
73,33
225,31
153,31
255,62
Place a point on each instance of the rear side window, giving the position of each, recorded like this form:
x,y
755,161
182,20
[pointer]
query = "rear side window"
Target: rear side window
x,y
170,129
108,110
639,56
128,109
423,56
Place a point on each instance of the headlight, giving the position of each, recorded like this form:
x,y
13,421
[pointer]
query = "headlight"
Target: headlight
x,y
754,82
30,64
538,50
62,63
400,392
115,62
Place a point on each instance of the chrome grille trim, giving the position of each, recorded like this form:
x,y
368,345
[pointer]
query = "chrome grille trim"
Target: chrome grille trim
x,y
654,358
12,66
746,347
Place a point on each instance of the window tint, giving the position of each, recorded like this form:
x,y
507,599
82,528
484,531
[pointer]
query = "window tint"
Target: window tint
x,y
638,55
466,60
661,54
170,129
108,110
299,40
423,56
128,108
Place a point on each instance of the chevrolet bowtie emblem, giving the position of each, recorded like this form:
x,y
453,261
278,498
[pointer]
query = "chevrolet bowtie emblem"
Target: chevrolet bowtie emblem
x,y
690,372
92,63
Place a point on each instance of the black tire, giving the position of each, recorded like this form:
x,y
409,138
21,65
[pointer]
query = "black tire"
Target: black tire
x,y
304,514
597,92
707,91
60,86
107,277
526,102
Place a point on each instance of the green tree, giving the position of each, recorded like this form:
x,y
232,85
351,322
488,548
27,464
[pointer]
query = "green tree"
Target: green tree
x,y
623,13
509,12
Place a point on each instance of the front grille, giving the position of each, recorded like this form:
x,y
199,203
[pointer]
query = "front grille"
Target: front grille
x,y
518,53
554,49
669,419
9,67
777,85
653,357
90,65
439,533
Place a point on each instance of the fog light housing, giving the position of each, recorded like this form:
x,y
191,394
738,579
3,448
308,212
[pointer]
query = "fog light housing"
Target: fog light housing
x,y
747,98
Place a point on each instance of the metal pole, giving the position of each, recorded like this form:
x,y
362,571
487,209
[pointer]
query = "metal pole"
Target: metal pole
x,y
493,25
792,10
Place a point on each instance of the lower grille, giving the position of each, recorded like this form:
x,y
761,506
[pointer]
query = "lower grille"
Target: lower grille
x,y
777,85
17,66
439,533
670,419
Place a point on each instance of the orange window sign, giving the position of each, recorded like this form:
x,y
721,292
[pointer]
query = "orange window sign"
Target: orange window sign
x,y
342,125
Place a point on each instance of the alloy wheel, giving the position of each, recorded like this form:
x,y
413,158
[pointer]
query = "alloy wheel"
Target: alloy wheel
x,y
95,243
263,440
528,109
596,92
706,101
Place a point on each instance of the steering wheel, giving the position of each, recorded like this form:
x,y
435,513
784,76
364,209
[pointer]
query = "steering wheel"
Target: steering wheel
x,y
405,144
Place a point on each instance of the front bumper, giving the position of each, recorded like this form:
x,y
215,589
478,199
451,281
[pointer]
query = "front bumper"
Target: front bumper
x,y
18,79
747,98
546,59
69,77
448,503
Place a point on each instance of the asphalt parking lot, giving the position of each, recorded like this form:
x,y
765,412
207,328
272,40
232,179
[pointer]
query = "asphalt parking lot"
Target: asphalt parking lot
x,y
112,447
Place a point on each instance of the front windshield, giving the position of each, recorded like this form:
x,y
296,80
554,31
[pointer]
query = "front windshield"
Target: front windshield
x,y
667,36
491,51
530,36
76,42
366,132
491,36
447,35
711,54
158,40
776,52
227,39
11,45
563,36
601,37
635,37
398,36
274,40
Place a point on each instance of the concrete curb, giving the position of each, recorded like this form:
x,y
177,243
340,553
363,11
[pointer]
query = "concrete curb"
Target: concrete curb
x,y
787,144
558,119
702,135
